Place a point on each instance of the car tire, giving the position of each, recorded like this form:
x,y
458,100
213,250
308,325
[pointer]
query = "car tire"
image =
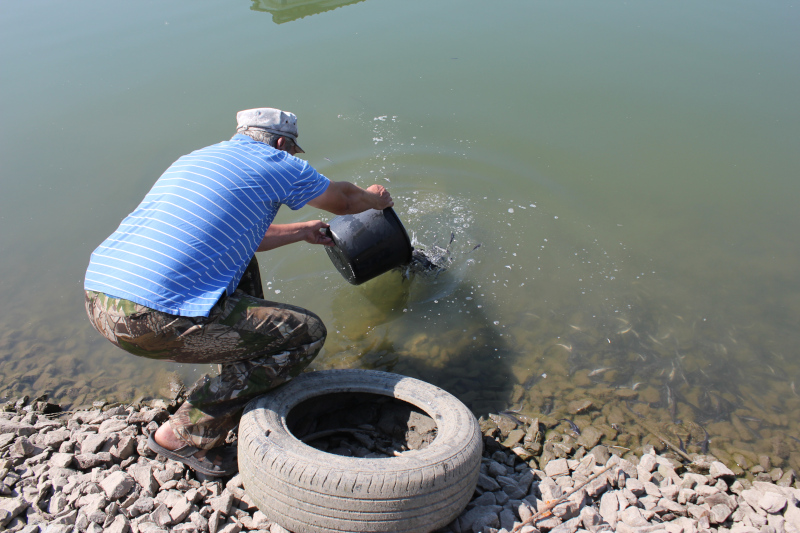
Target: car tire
x,y
306,490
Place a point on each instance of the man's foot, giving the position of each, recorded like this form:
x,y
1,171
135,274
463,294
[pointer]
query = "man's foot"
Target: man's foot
x,y
220,461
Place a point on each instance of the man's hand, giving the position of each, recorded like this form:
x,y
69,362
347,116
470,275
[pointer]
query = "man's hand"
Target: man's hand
x,y
282,234
313,235
384,199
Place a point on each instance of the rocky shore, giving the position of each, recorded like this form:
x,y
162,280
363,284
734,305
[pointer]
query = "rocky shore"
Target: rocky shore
x,y
90,470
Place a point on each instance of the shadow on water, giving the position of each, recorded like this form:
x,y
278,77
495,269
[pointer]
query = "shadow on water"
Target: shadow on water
x,y
289,10
411,331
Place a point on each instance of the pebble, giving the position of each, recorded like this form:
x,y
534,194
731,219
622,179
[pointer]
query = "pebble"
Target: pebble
x,y
91,471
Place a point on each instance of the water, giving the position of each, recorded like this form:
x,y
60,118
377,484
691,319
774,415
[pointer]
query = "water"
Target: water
x,y
629,171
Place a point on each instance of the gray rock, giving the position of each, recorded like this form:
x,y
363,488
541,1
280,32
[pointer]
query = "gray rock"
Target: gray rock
x,y
181,511
507,519
601,454
143,505
556,467
772,502
61,460
589,437
58,528
609,506
201,523
719,513
214,522
222,504
117,485
487,483
19,429
85,461
648,462
632,516
12,508
496,469
93,443
485,516
231,528
635,486
120,524
160,516
718,469
487,498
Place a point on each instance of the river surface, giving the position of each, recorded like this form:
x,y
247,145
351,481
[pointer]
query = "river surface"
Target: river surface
x,y
629,170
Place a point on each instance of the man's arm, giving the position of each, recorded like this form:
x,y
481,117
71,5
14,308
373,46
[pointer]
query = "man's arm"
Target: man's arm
x,y
282,234
344,198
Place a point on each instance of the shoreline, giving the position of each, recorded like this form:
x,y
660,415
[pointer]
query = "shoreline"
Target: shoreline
x,y
90,470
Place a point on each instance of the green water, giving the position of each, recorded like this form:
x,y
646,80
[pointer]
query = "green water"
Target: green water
x,y
628,168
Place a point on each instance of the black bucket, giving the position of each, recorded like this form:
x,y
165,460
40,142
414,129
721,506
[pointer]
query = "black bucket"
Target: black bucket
x,y
368,244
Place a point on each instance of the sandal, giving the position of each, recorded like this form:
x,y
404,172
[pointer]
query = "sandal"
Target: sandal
x,y
185,455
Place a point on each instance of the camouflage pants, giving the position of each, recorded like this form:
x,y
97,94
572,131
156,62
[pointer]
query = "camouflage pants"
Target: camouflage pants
x,y
258,345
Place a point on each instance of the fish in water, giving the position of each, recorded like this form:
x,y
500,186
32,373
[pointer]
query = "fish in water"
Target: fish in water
x,y
705,442
598,371
575,429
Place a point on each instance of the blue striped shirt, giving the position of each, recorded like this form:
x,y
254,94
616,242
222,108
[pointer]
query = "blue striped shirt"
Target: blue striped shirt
x,y
192,237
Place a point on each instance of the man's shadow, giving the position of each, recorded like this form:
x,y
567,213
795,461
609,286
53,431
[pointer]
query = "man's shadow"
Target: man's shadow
x,y
463,353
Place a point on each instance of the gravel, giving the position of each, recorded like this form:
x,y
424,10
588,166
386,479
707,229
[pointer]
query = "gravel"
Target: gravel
x,y
91,471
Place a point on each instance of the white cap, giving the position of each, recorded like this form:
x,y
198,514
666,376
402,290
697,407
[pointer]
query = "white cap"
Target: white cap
x,y
269,119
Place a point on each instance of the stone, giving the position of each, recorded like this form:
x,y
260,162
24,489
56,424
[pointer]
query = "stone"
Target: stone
x,y
487,483
590,518
772,502
93,443
223,503
507,519
86,461
19,429
648,462
231,528
609,506
143,475
12,507
719,513
487,498
632,516
590,437
482,516
277,528
181,510
718,469
201,523
61,460
635,486
214,521
119,525
161,516
142,505
557,467
117,485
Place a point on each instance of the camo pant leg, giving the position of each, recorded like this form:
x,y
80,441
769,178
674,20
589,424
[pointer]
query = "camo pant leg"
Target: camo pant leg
x,y
258,344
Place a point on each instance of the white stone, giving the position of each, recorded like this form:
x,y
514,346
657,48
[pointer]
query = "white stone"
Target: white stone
x,y
609,505
772,503
632,516
556,467
718,469
117,485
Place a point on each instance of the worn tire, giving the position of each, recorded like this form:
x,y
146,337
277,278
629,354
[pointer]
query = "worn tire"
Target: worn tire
x,y
310,491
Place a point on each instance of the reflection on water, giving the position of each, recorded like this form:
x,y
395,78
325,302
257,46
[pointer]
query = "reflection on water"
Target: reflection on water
x,y
289,10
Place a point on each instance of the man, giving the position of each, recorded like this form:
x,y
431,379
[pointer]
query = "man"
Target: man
x,y
178,281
